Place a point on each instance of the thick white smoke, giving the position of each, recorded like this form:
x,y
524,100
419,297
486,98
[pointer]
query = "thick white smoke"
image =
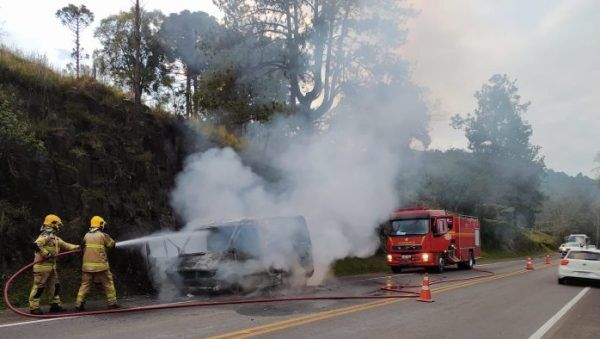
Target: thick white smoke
x,y
340,177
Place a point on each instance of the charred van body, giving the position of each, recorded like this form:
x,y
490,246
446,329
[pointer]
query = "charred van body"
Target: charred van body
x,y
242,255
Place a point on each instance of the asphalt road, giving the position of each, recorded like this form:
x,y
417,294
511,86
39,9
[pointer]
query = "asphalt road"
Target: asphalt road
x,y
513,303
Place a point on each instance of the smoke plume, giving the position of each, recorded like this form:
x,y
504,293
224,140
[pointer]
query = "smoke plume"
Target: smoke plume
x,y
340,177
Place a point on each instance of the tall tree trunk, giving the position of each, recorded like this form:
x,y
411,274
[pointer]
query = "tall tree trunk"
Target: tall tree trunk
x,y
195,105
188,92
137,81
77,49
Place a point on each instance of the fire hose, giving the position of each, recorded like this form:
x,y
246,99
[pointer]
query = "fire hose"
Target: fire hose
x,y
399,288
10,280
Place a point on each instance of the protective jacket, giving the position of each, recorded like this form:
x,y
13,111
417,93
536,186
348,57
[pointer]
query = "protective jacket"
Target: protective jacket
x,y
94,252
46,246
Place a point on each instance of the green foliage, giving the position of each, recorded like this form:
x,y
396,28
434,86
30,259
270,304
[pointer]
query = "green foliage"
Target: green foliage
x,y
75,18
572,205
187,37
116,58
354,265
15,130
95,160
500,141
233,104
319,47
496,126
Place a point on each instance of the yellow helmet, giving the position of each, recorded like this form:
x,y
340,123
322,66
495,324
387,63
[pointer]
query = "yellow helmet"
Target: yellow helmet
x,y
52,220
97,222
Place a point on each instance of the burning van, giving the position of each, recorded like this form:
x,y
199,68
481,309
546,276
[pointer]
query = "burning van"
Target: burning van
x,y
242,255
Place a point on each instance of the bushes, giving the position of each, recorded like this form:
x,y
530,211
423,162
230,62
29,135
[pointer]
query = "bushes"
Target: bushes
x,y
504,236
15,130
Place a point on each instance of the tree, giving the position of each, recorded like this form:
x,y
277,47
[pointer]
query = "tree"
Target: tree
x,y
322,45
500,140
2,33
119,55
137,47
75,19
187,37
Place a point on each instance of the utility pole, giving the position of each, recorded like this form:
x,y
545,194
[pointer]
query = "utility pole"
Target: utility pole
x,y
137,37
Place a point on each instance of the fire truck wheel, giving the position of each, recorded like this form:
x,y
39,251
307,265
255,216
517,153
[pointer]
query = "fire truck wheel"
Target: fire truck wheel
x,y
441,265
471,261
396,269
467,265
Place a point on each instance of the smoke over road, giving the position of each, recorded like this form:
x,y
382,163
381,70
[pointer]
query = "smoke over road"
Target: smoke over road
x,y
338,170
341,177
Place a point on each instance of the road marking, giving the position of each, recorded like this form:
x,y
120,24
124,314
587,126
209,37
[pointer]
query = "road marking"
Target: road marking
x,y
75,316
281,325
548,325
315,316
35,321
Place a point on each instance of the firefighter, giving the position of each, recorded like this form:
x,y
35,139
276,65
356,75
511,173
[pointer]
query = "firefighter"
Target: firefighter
x,y
95,267
46,246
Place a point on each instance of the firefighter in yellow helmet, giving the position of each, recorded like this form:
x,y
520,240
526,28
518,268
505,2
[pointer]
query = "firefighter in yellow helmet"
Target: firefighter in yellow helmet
x,y
46,246
95,264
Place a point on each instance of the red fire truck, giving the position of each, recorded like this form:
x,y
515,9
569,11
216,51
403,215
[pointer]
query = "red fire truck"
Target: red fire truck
x,y
431,239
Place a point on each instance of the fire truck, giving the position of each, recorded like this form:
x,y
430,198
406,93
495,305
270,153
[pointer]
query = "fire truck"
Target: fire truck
x,y
432,239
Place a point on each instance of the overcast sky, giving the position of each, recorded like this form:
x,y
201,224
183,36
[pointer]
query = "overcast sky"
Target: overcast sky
x,y
552,48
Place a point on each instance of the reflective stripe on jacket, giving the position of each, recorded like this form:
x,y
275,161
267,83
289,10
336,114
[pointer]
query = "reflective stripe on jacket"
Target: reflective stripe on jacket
x,y
94,252
48,245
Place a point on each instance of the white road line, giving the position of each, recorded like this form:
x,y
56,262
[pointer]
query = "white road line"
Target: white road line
x,y
548,325
34,322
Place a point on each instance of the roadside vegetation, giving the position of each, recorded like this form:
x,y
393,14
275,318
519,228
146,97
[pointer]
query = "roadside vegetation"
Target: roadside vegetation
x,y
110,134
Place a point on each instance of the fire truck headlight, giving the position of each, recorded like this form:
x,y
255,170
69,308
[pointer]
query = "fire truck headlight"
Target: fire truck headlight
x,y
389,257
425,256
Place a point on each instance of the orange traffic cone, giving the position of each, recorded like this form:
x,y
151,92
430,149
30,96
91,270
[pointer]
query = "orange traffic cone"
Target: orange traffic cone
x,y
547,259
529,264
425,294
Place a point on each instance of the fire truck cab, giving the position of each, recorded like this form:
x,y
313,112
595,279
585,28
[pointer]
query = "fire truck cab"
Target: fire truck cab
x,y
431,239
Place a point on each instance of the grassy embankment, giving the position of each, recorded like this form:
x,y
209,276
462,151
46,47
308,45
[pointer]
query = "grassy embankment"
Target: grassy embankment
x,y
79,139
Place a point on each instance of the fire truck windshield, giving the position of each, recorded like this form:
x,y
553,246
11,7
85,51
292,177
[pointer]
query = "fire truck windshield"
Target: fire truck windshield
x,y
409,227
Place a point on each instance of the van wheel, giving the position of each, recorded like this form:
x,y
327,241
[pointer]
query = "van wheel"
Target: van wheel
x,y
396,269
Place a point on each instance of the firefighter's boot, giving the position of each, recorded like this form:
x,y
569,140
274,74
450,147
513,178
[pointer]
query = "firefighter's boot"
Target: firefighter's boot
x,y
56,308
113,306
80,307
36,311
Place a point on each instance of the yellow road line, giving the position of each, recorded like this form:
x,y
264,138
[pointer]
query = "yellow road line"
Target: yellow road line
x,y
280,325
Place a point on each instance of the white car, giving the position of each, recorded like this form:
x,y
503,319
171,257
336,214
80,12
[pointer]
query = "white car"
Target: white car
x,y
580,264
564,248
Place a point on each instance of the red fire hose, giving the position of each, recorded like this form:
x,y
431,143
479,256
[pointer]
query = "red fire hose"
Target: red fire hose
x,y
180,305
399,288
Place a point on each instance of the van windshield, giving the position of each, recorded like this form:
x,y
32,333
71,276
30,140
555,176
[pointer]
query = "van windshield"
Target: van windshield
x,y
409,227
213,239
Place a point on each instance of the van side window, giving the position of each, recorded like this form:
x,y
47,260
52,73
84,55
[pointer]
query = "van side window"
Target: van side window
x,y
247,241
